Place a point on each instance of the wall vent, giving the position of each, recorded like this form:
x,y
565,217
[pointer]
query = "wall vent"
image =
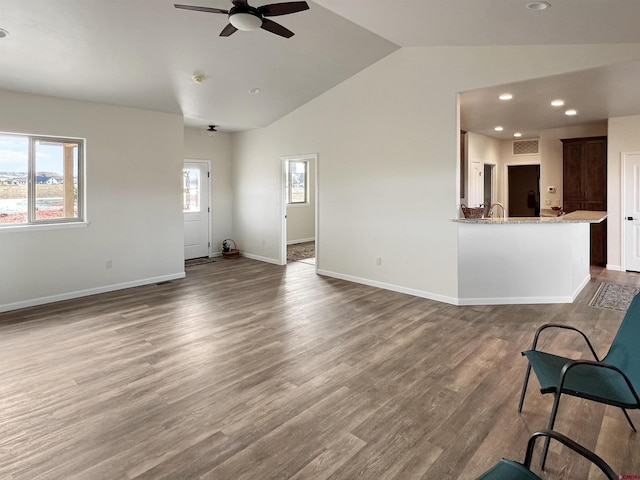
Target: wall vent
x,y
526,147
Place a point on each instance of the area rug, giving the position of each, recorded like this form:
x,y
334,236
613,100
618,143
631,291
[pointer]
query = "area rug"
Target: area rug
x,y
614,297
301,252
198,261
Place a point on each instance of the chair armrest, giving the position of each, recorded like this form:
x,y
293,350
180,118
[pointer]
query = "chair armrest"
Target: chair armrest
x,y
569,365
564,327
576,447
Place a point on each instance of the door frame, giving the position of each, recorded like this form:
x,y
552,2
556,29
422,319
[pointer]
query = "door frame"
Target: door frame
x,y
623,193
283,204
209,203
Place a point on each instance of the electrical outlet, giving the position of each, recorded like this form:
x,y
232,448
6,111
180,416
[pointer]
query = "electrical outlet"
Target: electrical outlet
x,y
378,261
108,264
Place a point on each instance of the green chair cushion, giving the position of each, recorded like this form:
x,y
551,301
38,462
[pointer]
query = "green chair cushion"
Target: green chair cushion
x,y
508,470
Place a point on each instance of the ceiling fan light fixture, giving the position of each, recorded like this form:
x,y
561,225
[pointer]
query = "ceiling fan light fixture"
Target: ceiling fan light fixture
x,y
245,21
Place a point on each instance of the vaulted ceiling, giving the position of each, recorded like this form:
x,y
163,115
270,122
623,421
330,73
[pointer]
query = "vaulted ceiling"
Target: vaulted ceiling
x,y
144,53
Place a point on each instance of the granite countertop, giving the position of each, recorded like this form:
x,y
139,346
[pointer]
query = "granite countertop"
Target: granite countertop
x,y
579,216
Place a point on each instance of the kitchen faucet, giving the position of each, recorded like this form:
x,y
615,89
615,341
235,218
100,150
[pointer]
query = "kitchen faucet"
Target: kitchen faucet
x,y
492,212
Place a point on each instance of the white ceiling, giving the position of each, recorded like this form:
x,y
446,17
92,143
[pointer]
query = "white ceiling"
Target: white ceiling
x,y
143,53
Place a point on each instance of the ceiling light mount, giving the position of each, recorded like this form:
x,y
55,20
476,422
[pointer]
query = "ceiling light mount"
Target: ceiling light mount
x,y
254,91
505,96
198,78
538,6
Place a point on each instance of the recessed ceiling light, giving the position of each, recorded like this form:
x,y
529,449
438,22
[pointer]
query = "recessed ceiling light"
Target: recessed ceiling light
x,y
557,103
538,5
517,134
571,112
505,96
254,91
3,33
499,128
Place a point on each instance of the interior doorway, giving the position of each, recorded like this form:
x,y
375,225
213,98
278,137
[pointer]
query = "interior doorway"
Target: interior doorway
x,y
299,209
489,184
524,190
196,208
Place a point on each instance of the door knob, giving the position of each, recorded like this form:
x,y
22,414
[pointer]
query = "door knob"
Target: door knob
x,y
630,218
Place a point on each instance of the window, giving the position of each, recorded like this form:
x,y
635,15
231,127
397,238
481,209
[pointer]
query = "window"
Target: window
x,y
297,182
40,180
191,190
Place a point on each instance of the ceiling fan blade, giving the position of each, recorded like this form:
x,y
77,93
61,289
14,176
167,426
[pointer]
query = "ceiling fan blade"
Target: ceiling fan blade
x,y
276,28
228,30
285,8
201,9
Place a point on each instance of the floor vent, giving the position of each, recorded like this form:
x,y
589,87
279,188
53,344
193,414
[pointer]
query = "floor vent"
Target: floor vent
x,y
526,147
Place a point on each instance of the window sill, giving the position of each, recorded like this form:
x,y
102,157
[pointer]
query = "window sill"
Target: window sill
x,y
43,226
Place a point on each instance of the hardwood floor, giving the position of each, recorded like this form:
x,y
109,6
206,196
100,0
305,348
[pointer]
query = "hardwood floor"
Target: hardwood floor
x,y
247,370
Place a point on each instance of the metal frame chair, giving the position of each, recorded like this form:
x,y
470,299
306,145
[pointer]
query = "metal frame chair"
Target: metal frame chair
x,y
614,380
512,470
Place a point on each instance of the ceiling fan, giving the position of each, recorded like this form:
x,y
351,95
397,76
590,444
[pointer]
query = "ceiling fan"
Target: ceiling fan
x,y
243,16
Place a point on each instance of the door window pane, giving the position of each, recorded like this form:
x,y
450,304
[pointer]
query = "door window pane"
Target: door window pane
x,y
191,190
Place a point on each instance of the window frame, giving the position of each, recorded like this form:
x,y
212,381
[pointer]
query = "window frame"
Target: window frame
x,y
290,183
32,222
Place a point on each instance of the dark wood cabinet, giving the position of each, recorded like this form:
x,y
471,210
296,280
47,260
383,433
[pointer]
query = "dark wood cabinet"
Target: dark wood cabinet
x,y
584,186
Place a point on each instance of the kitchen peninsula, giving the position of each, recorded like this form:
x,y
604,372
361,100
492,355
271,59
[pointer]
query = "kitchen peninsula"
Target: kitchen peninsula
x,y
519,260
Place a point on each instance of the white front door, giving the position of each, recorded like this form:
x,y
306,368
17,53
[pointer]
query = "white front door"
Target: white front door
x,y
195,186
631,211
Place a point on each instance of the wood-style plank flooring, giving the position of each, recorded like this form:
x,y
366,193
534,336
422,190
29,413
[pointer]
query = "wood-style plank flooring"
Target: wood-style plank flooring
x,y
246,370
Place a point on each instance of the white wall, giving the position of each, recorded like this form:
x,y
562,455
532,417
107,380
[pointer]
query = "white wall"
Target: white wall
x,y
624,136
388,139
198,145
301,219
133,190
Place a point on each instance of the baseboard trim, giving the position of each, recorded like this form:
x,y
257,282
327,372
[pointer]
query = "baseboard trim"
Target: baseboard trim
x,y
389,286
260,258
616,268
90,291
301,240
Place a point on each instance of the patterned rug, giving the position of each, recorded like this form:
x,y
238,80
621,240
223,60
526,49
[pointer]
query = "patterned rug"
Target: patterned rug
x,y
614,297
198,261
302,252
